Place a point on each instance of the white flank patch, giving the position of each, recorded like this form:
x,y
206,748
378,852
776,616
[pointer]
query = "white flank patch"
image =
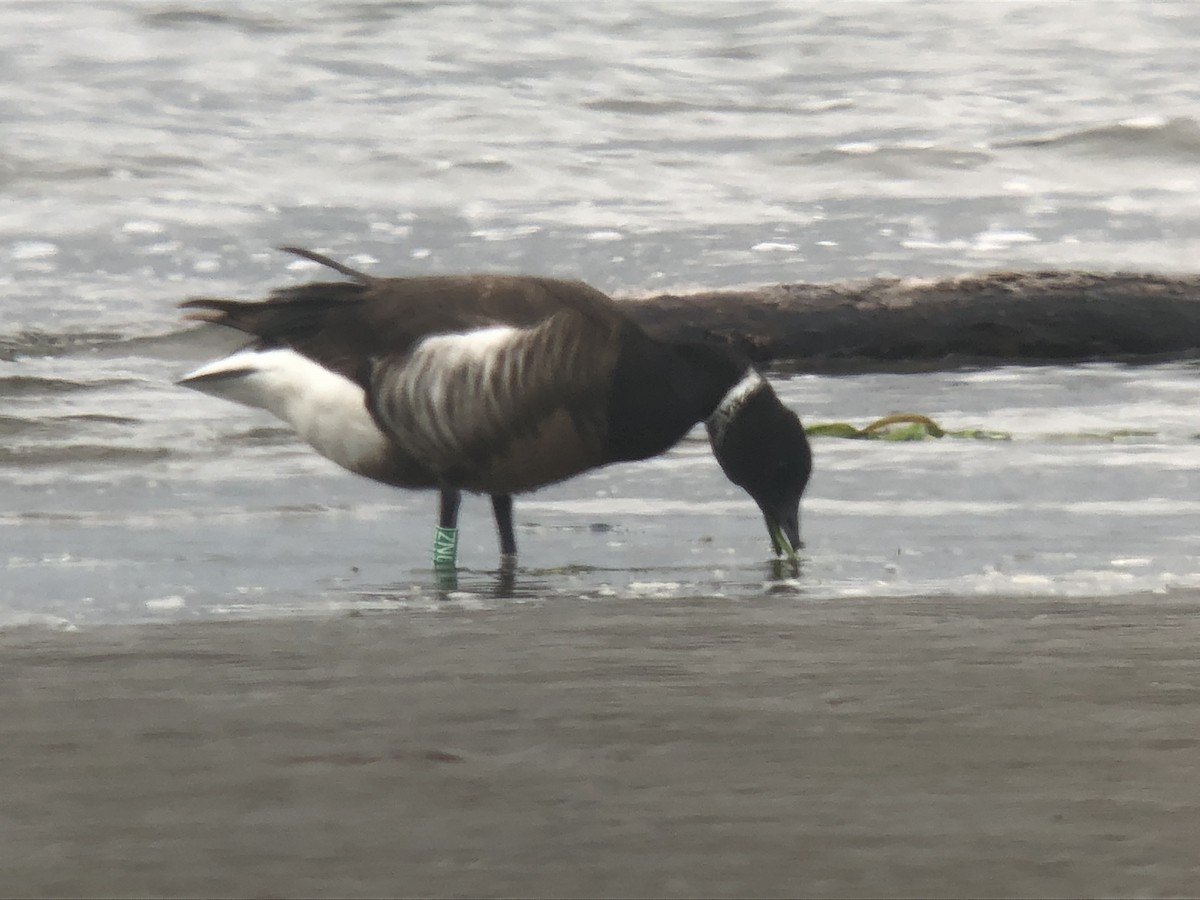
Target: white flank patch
x,y
448,357
327,410
453,349
728,408
446,390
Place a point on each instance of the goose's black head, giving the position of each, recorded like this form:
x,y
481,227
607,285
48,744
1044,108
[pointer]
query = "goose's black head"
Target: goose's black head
x,y
762,448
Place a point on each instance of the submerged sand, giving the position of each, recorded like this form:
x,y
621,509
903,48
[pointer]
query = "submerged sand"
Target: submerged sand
x,y
933,747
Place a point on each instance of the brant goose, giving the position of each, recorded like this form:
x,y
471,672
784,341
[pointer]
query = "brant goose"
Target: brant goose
x,y
496,384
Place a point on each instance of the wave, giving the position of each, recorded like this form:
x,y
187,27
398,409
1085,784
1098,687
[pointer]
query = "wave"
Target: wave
x,y
641,107
893,159
12,426
178,342
45,343
52,455
20,170
14,169
1150,137
32,385
262,435
190,17
165,345
1177,138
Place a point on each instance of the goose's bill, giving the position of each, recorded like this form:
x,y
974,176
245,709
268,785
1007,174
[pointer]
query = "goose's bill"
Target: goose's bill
x,y
784,529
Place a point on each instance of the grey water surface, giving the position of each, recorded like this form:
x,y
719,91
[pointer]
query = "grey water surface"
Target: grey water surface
x,y
154,151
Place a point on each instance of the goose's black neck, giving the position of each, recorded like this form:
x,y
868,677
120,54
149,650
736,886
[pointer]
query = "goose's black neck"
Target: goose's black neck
x,y
661,389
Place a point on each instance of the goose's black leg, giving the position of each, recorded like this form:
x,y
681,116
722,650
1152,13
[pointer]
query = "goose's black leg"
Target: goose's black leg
x,y
502,506
449,501
445,538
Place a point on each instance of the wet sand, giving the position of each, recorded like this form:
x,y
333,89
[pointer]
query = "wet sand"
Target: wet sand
x,y
765,747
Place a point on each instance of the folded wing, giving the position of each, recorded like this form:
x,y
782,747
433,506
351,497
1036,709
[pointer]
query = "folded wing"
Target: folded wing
x,y
501,408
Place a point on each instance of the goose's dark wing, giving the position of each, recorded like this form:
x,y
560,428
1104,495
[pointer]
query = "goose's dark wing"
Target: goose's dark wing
x,y
342,324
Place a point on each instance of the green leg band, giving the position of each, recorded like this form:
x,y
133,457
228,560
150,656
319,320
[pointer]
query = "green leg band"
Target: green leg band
x,y
445,546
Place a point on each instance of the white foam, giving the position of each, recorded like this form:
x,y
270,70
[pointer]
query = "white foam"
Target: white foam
x,y
34,622
28,250
142,226
166,603
659,590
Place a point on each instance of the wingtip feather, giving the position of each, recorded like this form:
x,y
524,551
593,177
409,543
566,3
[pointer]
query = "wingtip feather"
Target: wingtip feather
x,y
326,261
204,309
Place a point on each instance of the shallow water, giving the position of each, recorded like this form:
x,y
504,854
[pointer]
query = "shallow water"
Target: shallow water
x,y
154,152
197,508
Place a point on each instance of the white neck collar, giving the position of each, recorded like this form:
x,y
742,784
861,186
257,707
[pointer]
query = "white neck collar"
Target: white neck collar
x,y
735,398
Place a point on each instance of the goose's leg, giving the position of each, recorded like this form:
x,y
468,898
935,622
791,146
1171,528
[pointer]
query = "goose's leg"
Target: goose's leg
x,y
502,506
445,538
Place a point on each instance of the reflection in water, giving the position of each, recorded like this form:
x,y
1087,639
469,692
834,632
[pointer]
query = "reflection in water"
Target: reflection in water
x,y
445,579
781,570
452,584
503,586
507,582
506,579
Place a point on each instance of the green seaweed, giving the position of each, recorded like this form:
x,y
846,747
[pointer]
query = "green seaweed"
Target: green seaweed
x,y
899,427
917,427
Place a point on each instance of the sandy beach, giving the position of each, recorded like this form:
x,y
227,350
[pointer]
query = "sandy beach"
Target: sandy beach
x,y
681,747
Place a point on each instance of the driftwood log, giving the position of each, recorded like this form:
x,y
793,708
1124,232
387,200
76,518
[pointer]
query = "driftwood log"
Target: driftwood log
x,y
905,324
